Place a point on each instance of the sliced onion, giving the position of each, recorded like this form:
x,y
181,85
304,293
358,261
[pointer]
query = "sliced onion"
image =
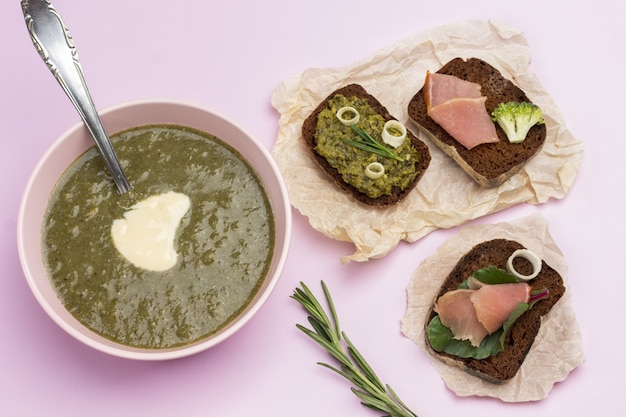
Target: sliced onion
x,y
531,257
375,170
350,110
393,139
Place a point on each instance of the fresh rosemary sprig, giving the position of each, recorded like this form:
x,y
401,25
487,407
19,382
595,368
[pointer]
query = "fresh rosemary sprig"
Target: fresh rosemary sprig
x,y
370,144
327,333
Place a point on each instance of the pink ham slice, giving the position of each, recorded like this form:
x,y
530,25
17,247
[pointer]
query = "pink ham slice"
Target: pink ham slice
x,y
448,87
456,312
495,303
474,314
458,107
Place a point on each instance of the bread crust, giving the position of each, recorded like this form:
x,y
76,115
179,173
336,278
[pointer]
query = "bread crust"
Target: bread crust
x,y
309,136
502,367
489,164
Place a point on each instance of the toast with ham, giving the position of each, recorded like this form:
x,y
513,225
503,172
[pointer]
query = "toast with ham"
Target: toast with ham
x,y
504,365
492,163
309,135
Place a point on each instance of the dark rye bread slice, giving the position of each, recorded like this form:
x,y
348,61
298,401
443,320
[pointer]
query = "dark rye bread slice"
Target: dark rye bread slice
x,y
503,366
489,164
309,136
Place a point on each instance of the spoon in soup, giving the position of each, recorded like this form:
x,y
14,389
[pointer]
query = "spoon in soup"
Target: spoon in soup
x,y
56,47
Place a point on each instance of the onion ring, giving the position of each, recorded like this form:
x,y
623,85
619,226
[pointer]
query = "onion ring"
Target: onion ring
x,y
348,122
531,257
389,138
375,170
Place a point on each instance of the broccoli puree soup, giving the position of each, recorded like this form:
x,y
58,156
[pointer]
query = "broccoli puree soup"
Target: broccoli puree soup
x,y
170,262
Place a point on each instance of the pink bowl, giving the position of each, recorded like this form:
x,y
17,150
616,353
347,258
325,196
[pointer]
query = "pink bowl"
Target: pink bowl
x,y
73,143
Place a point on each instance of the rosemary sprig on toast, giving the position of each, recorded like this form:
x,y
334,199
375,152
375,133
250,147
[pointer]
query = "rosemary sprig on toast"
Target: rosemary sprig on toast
x,y
368,143
353,367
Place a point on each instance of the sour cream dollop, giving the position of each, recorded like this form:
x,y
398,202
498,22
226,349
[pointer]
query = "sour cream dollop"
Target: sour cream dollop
x,y
145,235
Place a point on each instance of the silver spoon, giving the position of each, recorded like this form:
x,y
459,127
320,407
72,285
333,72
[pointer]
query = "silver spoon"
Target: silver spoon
x,y
56,47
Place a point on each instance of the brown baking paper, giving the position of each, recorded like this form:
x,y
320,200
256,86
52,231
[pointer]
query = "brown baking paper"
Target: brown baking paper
x,y
445,196
557,349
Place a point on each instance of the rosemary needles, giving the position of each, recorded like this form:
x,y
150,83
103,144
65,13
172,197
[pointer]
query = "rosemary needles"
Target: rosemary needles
x,y
353,367
368,143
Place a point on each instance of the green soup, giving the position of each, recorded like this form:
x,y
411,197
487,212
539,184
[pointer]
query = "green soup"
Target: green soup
x,y
224,242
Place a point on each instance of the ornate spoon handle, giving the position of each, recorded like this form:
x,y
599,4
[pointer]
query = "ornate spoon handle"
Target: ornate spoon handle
x,y
56,47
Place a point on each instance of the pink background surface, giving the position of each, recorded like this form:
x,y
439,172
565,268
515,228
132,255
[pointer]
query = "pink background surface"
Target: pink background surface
x,y
230,56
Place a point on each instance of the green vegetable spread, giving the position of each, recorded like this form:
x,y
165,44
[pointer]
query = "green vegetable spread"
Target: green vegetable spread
x,y
224,241
351,162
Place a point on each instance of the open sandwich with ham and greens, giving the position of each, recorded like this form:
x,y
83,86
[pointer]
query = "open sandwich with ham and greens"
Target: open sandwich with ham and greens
x,y
363,149
483,121
489,309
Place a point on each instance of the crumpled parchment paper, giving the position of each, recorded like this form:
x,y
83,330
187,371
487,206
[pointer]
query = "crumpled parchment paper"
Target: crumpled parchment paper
x,y
557,349
445,196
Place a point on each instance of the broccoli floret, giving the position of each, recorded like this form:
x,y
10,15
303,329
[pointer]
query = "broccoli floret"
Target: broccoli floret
x,y
516,119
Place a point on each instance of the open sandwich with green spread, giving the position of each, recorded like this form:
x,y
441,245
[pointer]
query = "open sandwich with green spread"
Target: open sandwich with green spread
x,y
364,150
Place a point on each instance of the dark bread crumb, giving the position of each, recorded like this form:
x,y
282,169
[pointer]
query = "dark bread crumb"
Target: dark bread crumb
x,y
308,134
503,366
489,164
